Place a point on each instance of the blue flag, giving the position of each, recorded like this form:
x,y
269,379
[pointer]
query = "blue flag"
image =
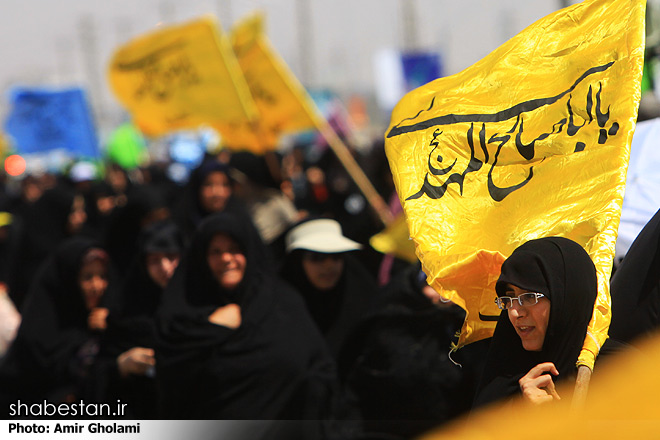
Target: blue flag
x,y
44,120
420,68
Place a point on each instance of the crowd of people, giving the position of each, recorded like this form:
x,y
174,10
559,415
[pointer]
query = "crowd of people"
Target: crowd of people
x,y
247,292
250,292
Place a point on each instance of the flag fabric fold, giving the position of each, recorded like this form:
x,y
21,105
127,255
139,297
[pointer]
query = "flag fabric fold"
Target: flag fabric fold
x,y
531,141
395,240
282,103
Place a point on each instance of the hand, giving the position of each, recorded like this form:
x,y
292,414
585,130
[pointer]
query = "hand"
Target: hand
x,y
227,316
137,361
96,320
538,387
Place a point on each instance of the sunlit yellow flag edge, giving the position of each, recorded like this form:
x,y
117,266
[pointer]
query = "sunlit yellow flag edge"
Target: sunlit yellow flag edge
x,y
536,137
395,240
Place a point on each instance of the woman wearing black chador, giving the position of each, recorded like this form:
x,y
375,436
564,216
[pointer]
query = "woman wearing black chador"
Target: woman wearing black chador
x,y
128,348
63,322
235,342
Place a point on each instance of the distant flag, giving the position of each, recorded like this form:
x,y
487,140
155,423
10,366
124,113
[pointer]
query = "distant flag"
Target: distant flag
x,y
282,102
47,119
181,77
420,67
531,141
397,73
284,106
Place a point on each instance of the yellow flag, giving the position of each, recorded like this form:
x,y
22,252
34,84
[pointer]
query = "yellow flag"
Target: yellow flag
x,y
181,77
282,102
395,240
531,141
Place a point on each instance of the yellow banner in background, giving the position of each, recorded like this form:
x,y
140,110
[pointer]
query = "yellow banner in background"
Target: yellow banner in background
x,y
531,141
282,102
181,77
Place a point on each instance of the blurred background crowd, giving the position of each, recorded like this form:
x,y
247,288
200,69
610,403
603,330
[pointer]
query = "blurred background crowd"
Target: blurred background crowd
x,y
106,254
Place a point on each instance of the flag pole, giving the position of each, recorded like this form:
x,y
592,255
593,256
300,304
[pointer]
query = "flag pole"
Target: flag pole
x,y
338,147
346,158
581,387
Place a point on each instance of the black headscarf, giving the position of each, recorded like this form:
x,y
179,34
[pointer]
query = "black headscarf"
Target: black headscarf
x,y
144,205
97,222
337,311
561,270
401,376
273,365
131,324
190,213
44,361
56,205
45,227
635,287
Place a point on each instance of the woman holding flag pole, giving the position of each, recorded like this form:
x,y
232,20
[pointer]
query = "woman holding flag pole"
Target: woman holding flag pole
x,y
546,291
488,158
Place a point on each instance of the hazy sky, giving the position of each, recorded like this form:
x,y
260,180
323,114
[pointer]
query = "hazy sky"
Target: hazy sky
x,y
326,43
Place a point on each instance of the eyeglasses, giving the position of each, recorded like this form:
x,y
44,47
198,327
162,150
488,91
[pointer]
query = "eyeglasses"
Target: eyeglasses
x,y
524,299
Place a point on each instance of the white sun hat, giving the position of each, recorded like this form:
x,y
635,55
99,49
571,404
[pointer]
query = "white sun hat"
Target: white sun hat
x,y
322,235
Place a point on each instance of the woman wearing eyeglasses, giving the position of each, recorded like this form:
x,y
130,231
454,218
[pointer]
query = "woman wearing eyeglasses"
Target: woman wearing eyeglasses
x,y
546,291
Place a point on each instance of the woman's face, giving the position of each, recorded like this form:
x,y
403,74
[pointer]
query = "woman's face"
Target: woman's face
x,y
93,281
226,261
214,192
105,204
161,266
323,270
530,322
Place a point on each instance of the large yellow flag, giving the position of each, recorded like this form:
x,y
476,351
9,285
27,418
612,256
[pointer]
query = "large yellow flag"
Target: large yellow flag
x,y
282,102
181,77
531,141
